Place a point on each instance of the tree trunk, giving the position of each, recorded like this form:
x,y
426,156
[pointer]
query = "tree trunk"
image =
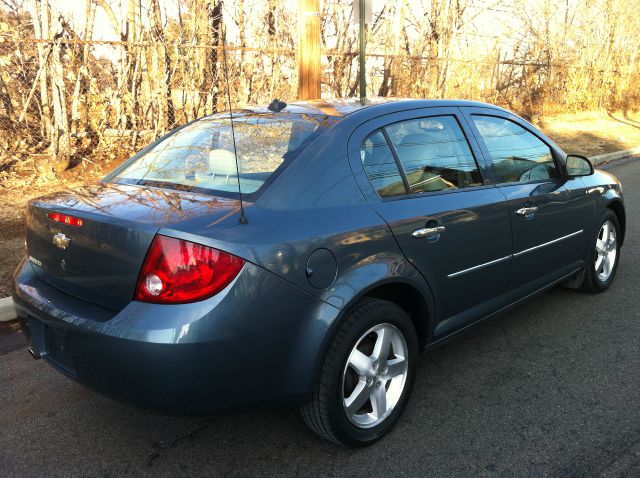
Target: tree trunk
x,y
60,144
385,84
79,103
214,10
434,43
165,99
272,30
122,119
41,30
396,65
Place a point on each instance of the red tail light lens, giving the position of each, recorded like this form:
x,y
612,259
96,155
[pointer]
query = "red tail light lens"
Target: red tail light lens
x,y
177,271
64,219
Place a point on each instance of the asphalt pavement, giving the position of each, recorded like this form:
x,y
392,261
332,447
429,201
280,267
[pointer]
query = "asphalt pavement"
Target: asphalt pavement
x,y
549,389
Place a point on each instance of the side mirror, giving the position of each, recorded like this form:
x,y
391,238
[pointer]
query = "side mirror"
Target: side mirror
x,y
578,166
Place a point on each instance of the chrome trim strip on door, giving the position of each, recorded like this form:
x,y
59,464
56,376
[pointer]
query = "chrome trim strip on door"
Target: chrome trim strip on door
x,y
517,254
479,266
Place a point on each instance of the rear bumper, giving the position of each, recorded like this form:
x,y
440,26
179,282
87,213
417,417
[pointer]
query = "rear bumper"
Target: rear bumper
x,y
254,343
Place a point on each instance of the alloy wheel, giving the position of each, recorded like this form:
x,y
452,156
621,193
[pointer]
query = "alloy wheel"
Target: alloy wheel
x,y
606,251
374,376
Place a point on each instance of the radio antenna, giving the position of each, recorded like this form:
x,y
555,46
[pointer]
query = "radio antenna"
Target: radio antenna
x,y
243,218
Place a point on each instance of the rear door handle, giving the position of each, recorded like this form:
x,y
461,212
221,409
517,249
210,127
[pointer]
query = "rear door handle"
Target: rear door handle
x,y
428,232
527,211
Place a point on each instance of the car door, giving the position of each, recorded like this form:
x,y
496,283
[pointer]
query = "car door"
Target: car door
x,y
420,172
548,211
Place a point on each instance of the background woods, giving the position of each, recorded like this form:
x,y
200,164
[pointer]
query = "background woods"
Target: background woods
x,y
72,95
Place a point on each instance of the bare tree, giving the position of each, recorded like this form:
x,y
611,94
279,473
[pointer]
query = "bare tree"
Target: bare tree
x,y
62,98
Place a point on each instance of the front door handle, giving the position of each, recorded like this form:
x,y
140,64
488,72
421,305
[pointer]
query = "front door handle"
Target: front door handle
x,y
428,232
527,212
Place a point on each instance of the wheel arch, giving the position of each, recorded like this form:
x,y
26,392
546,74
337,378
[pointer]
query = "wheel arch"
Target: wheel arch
x,y
409,299
415,299
618,209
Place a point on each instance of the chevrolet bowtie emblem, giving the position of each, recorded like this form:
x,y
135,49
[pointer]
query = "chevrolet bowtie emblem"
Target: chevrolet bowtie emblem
x,y
61,240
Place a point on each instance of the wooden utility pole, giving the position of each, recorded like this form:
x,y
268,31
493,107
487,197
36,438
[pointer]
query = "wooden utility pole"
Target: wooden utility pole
x,y
309,49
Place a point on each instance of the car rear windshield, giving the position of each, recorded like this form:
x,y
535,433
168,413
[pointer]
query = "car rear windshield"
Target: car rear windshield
x,y
200,156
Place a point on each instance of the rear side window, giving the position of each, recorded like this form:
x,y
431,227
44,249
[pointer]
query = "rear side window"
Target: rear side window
x,y
434,154
518,156
381,166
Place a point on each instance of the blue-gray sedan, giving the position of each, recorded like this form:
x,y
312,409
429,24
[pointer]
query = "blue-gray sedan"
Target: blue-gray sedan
x,y
307,255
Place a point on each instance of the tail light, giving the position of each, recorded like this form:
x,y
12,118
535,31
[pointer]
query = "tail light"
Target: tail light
x,y
177,271
65,219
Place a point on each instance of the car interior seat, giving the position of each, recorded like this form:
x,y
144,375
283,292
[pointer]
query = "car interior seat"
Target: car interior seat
x,y
222,163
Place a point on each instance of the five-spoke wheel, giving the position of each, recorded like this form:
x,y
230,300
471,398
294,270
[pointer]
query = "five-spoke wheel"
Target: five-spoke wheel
x,y
604,255
606,250
374,375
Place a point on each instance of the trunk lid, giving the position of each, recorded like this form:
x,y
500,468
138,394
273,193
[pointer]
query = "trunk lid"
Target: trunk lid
x,y
101,261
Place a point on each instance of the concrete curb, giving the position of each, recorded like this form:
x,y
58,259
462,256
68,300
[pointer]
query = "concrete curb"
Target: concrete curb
x,y
7,312
605,158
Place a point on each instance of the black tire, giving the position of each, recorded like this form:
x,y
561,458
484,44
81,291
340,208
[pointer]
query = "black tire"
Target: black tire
x,y
591,282
325,413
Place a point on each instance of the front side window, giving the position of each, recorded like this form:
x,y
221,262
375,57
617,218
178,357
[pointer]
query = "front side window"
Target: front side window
x,y
201,156
434,154
517,154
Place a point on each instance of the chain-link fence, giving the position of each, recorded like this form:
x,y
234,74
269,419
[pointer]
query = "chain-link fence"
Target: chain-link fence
x,y
101,101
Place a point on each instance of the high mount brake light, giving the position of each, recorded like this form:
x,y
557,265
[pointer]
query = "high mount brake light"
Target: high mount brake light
x,y
64,219
177,271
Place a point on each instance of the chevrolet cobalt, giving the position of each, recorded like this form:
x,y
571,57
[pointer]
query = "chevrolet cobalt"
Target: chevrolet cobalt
x,y
304,255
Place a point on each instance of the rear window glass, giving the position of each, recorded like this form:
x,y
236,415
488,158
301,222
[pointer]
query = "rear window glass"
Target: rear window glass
x,y
200,156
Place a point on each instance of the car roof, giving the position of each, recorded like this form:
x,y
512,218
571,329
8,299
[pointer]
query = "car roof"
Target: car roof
x,y
341,107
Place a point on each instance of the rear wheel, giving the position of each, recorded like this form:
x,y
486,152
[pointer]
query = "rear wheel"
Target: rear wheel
x,y
605,253
366,377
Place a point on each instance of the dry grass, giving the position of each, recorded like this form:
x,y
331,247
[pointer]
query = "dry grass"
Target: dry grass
x,y
592,133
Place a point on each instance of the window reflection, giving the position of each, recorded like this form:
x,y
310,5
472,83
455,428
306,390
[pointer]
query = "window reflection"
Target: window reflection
x,y
517,155
201,155
435,154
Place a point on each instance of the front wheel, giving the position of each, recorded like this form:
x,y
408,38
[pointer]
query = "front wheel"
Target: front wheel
x,y
604,256
366,377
